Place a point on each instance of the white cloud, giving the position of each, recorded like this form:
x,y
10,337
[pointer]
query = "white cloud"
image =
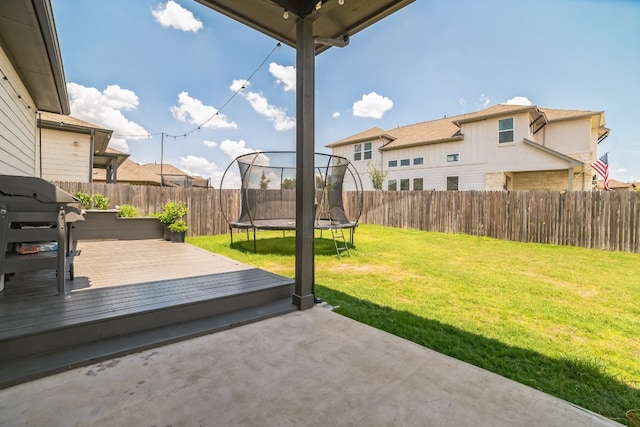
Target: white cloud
x,y
173,15
621,170
372,105
484,100
519,100
211,144
463,104
234,149
104,109
200,166
335,115
193,111
260,104
285,75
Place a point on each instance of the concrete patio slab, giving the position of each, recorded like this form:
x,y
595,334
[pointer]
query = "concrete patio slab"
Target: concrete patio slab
x,y
309,368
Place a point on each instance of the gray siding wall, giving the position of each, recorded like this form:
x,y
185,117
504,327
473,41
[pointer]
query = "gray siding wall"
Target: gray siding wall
x,y
17,124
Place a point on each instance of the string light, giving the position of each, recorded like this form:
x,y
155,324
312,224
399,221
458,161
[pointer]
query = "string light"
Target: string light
x,y
15,91
217,113
285,14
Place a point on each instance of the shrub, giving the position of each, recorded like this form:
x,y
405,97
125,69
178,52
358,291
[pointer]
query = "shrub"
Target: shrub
x,y
96,201
171,212
100,201
85,200
179,226
128,211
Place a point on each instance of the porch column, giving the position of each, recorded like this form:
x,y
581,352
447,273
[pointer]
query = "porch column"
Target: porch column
x,y
570,179
303,296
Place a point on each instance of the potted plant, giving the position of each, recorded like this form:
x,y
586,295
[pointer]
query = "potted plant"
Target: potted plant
x,y
171,212
178,230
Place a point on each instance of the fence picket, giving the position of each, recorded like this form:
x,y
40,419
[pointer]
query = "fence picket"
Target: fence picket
x,y
602,220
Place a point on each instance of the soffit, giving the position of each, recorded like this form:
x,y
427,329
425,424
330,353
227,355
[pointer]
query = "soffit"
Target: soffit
x,y
331,20
28,37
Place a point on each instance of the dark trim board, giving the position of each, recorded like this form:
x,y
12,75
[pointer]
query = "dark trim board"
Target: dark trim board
x,y
44,334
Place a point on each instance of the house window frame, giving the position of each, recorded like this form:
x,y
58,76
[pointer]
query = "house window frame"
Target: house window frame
x,y
357,152
405,184
362,151
417,161
457,183
405,162
421,186
506,131
453,157
392,163
392,183
367,150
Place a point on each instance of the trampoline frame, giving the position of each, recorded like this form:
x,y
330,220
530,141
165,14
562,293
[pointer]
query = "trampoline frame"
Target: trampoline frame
x,y
289,224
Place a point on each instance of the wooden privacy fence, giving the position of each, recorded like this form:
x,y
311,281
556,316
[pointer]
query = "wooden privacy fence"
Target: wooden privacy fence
x,y
602,220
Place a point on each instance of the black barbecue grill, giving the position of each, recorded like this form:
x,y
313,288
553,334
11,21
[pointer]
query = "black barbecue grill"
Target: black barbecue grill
x,y
35,227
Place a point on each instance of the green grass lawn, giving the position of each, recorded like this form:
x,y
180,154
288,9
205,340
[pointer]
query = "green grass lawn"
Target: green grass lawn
x,y
564,320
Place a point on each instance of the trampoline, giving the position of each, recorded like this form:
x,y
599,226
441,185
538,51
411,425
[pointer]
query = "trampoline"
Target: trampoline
x,y
268,194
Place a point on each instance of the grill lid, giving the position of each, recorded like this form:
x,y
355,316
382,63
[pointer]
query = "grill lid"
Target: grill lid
x,y
36,188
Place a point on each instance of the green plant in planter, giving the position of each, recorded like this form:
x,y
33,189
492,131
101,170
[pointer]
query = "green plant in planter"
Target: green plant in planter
x,y
96,201
179,226
128,211
172,212
100,201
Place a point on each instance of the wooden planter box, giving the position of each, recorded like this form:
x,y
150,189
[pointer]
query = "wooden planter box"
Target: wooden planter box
x,y
106,225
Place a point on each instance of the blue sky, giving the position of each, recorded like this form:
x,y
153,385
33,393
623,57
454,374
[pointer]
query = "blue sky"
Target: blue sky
x,y
145,67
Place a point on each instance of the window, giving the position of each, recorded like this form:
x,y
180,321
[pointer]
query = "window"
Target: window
x,y
359,153
417,184
367,151
404,184
452,183
405,162
393,163
455,157
392,185
505,130
418,161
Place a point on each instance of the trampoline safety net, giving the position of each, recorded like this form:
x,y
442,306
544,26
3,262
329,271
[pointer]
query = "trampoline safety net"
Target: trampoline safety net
x,y
268,191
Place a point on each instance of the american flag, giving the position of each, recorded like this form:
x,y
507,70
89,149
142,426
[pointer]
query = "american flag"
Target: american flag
x,y
602,167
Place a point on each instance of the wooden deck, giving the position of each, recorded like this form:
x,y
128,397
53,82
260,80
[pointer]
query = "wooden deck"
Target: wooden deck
x,y
127,296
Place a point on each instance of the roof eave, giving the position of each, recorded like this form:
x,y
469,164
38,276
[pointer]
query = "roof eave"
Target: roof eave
x,y
523,109
29,36
572,162
430,142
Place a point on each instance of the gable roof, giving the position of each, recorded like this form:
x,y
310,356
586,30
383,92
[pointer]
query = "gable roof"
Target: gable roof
x,y
130,172
167,169
62,122
448,128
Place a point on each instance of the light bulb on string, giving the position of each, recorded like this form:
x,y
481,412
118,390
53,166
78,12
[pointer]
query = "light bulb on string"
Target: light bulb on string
x,y
285,14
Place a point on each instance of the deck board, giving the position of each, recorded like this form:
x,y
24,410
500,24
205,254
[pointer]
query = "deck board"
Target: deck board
x,y
119,278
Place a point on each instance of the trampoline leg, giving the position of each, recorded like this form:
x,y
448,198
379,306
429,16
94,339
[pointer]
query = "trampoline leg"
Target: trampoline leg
x,y
255,246
231,234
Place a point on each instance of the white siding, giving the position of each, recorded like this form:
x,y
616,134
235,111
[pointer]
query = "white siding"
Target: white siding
x,y
571,137
17,124
65,156
361,166
508,157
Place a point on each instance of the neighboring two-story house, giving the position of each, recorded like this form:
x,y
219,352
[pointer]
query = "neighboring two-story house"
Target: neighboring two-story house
x,y
503,147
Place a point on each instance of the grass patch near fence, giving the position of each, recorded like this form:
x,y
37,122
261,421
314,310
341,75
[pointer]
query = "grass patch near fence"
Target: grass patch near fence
x,y
564,320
